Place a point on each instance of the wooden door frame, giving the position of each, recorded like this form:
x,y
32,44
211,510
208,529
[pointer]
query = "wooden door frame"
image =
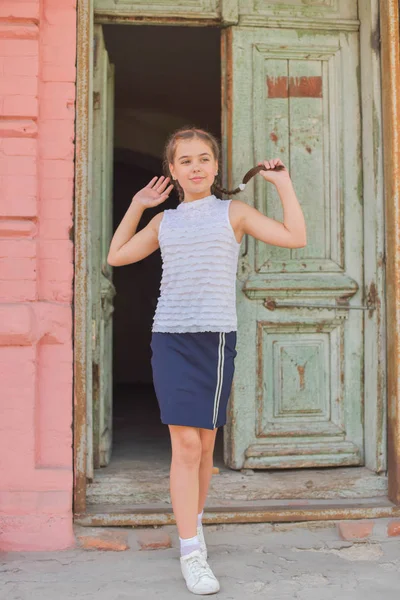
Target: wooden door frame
x,y
390,40
389,22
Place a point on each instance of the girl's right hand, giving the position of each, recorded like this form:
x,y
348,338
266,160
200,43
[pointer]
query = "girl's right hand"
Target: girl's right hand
x,y
154,193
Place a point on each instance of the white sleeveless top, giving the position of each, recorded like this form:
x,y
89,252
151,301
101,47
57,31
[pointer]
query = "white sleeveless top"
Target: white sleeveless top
x,y
200,253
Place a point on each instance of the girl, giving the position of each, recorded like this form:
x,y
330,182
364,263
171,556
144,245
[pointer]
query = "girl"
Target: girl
x,y
194,328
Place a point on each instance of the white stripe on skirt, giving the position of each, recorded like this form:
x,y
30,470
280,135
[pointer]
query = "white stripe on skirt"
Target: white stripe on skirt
x,y
220,376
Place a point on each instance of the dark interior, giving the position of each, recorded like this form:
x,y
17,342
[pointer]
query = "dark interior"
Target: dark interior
x,y
166,78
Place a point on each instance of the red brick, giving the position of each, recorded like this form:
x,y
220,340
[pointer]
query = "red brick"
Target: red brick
x,y
59,169
17,228
18,165
21,65
57,189
58,209
19,146
10,248
20,502
18,31
355,530
13,84
56,291
56,229
153,539
18,291
57,100
62,73
22,128
59,147
15,325
18,196
18,105
56,269
13,269
62,16
393,528
60,4
61,36
19,47
61,250
24,10
104,540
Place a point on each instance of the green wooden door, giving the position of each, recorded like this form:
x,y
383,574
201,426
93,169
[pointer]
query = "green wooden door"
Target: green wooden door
x,y
101,232
298,393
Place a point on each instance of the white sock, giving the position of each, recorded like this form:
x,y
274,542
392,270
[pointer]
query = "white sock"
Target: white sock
x,y
199,519
189,545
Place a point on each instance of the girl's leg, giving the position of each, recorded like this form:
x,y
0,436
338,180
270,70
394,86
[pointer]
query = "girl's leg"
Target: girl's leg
x,y
184,478
185,465
207,438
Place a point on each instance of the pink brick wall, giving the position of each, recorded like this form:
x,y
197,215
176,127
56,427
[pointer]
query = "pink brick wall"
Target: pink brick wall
x,y
37,95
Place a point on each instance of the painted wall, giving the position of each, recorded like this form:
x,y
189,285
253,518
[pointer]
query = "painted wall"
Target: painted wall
x,y
37,58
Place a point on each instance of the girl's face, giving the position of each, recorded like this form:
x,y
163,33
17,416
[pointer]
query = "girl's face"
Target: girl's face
x,y
195,168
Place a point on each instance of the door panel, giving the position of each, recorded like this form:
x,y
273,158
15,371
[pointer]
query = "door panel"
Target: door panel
x,y
101,232
311,9
297,399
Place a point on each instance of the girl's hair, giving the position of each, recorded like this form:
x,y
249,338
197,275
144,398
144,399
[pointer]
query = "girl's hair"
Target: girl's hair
x,y
190,133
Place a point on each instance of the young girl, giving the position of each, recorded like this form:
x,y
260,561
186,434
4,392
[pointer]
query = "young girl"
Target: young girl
x,y
194,329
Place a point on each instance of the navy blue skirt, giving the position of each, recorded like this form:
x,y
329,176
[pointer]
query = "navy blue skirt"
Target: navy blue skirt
x,y
192,375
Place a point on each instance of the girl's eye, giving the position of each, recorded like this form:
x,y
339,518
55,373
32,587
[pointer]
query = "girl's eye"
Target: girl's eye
x,y
185,162
206,159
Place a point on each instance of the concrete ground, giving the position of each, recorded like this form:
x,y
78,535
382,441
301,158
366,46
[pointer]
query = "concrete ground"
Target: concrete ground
x,y
251,561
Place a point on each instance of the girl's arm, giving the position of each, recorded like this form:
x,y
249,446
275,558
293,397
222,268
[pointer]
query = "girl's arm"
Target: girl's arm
x,y
289,234
127,246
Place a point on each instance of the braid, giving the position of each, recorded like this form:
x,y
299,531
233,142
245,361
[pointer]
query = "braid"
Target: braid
x,y
246,179
175,182
179,190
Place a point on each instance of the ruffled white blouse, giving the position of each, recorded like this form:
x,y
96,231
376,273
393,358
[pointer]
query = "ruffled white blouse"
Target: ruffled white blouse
x,y
200,255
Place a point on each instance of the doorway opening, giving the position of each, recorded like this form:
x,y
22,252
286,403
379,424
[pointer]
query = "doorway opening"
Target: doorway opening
x,y
165,78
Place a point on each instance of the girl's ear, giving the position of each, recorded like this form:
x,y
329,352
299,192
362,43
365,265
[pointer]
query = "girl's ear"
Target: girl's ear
x,y
171,170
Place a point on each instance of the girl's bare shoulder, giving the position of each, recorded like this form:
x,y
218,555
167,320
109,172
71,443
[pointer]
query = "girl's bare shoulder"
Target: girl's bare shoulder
x,y
156,221
238,210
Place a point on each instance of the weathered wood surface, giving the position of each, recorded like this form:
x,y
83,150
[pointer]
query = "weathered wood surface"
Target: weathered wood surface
x,y
145,483
165,9
101,226
391,113
314,14
298,392
108,515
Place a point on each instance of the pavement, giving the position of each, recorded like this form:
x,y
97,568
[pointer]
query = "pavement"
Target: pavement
x,y
278,562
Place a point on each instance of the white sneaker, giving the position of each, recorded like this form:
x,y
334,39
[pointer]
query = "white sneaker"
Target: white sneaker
x,y
203,547
198,575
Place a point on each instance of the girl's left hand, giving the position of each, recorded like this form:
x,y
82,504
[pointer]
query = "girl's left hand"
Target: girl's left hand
x,y
274,176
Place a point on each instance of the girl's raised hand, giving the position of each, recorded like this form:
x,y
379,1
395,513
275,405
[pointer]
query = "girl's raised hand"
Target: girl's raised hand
x,y
272,175
154,193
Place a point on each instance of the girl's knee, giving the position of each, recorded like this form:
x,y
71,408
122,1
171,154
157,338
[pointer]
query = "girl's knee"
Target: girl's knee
x,y
207,444
207,450
186,446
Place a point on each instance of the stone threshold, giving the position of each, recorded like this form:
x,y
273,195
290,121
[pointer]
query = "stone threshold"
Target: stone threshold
x,y
262,511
